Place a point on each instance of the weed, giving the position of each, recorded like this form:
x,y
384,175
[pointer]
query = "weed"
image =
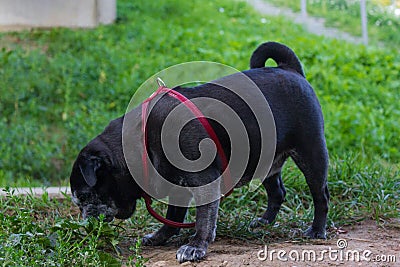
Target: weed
x,y
39,232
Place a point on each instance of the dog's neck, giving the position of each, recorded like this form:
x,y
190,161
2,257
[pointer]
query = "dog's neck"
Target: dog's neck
x,y
132,142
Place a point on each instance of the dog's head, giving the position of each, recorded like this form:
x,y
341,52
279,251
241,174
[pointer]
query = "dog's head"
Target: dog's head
x,y
100,182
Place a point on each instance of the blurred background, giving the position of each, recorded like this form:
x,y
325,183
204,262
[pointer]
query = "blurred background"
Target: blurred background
x,y
60,86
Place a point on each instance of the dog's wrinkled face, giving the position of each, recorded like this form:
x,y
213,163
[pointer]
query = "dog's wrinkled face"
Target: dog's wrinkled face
x,y
91,204
99,187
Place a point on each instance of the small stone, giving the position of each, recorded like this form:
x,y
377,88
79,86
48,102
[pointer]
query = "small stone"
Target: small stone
x,y
160,264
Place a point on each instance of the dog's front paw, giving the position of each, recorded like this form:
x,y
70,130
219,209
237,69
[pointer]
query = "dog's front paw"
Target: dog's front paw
x,y
147,240
160,237
259,222
152,240
190,253
315,234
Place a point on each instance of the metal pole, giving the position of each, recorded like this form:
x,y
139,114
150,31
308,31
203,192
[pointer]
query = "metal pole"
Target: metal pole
x,y
304,8
364,27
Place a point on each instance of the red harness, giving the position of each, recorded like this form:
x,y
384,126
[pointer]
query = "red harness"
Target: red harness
x,y
211,133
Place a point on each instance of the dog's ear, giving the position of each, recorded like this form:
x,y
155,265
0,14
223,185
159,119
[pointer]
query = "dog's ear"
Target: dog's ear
x,y
88,169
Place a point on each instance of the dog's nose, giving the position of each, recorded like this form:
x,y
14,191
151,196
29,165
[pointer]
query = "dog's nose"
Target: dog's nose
x,y
89,212
86,214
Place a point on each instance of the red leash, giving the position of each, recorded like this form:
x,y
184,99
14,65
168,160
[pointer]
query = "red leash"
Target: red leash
x,y
211,133
148,201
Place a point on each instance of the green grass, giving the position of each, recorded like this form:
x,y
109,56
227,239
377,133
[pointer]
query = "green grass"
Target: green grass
x,y
43,232
59,89
383,25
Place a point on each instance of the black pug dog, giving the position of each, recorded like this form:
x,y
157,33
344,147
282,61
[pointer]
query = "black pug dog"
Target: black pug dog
x,y
101,182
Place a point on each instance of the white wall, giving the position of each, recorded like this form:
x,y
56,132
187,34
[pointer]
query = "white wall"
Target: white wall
x,y
50,13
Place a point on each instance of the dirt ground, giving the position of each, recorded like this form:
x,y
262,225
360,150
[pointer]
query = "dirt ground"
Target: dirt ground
x,y
375,246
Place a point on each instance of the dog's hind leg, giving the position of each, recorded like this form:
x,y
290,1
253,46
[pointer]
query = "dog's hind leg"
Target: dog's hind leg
x,y
276,193
276,196
313,162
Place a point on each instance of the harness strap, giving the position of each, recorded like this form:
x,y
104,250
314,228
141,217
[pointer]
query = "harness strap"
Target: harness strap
x,y
211,133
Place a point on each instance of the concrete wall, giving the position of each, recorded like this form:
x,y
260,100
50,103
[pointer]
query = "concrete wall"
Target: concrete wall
x,y
53,13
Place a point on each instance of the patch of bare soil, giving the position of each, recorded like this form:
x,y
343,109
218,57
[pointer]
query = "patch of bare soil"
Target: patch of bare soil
x,y
364,244
11,41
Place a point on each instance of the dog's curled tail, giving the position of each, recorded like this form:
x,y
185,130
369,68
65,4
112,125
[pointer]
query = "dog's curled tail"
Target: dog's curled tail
x,y
281,54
